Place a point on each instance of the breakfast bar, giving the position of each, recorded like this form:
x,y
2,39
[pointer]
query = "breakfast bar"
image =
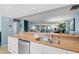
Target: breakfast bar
x,y
64,42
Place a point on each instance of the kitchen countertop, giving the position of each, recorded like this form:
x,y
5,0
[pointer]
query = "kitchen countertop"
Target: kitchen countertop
x,y
67,41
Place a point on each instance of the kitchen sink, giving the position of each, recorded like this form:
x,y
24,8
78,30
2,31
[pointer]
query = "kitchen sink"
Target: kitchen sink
x,y
41,37
45,38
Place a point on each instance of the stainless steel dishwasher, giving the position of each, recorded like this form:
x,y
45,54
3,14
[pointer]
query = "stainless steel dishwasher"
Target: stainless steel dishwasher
x,y
23,47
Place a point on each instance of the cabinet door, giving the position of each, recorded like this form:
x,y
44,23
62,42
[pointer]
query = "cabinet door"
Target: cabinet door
x,y
53,50
70,52
13,45
35,48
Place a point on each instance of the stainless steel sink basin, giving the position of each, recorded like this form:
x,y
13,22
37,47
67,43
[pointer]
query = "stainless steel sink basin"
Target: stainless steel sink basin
x,y
36,36
41,37
46,39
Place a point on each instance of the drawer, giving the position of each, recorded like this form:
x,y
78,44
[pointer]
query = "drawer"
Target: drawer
x,y
12,39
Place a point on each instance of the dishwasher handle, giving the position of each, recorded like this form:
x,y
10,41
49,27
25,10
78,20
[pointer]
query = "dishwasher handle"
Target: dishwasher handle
x,y
24,43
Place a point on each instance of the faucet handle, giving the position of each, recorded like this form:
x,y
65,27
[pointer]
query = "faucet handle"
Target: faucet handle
x,y
54,42
58,42
50,41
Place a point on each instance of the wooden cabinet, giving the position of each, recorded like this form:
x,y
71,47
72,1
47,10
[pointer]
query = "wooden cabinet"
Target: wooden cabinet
x,y
36,48
22,47
13,45
53,50
70,52
17,46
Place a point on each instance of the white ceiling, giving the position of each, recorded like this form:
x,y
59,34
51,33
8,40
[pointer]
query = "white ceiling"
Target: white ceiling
x,y
53,16
19,10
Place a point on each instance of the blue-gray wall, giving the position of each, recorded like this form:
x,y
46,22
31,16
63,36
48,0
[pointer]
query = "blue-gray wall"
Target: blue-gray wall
x,y
76,22
0,23
76,16
21,26
6,30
